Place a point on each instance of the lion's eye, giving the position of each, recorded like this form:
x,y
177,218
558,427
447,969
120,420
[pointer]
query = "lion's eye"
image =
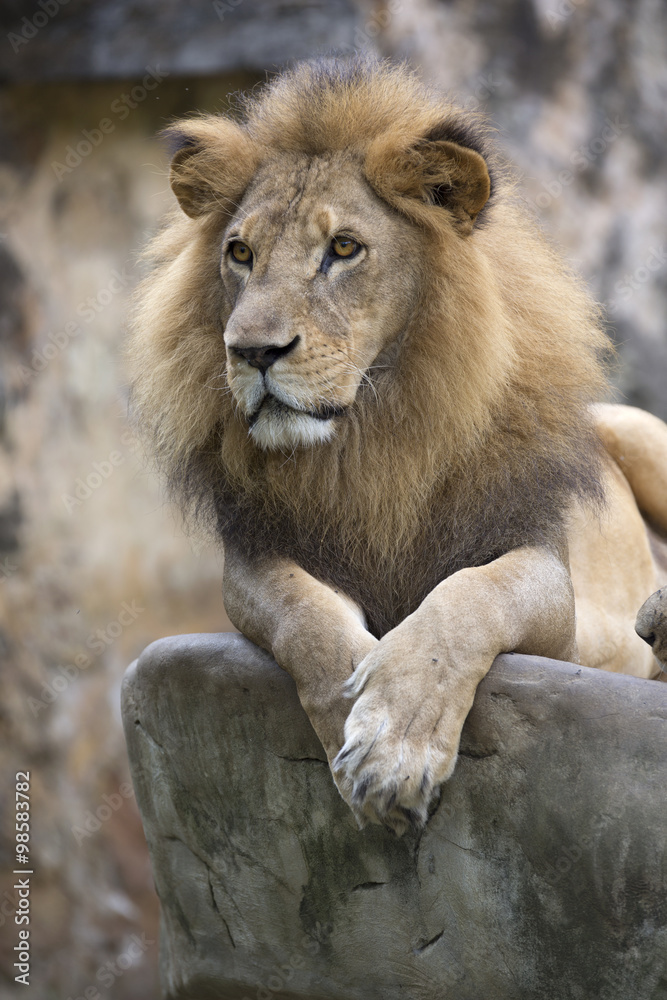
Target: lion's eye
x,y
241,252
344,246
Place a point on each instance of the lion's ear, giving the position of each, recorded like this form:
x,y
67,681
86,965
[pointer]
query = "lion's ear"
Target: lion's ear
x,y
212,164
190,185
431,171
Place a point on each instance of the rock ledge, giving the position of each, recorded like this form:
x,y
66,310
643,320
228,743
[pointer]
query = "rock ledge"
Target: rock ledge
x,y
542,872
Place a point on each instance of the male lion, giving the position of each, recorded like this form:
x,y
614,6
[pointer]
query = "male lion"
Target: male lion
x,y
358,358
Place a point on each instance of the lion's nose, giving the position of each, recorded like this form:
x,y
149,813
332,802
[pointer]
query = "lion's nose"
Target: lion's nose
x,y
264,357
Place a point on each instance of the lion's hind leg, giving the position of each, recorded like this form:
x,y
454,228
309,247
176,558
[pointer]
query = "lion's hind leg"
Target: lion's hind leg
x,y
637,441
613,572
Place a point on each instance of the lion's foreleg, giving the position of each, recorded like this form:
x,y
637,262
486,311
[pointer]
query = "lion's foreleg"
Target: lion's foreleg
x,y
314,632
416,687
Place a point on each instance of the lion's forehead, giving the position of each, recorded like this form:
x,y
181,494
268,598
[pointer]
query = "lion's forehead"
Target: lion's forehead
x,y
309,198
306,229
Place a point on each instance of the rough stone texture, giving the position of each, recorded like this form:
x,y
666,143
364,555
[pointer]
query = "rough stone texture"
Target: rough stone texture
x,y
118,39
542,872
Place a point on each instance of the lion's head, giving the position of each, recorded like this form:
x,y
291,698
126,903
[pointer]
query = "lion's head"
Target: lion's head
x,y
314,219
351,311
321,276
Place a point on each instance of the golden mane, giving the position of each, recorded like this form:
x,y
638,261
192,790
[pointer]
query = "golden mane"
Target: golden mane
x,y
471,434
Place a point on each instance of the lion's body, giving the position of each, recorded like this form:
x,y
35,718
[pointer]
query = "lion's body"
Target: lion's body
x,y
424,411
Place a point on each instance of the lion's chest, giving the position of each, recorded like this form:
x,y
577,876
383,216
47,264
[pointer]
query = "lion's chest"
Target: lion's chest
x,y
388,584
515,493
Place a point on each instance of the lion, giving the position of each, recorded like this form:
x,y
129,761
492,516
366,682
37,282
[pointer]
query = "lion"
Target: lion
x,y
359,362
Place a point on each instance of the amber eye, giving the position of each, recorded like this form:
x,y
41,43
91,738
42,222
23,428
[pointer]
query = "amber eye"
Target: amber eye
x,y
344,246
241,252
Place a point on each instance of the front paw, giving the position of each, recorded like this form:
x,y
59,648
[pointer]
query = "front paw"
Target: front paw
x,y
401,736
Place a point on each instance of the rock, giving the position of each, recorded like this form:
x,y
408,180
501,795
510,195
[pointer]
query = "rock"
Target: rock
x,y
542,871
121,39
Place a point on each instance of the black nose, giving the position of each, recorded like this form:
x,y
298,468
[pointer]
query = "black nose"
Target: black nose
x,y
264,357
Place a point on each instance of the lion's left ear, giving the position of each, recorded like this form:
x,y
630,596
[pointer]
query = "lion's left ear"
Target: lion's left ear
x,y
430,172
213,161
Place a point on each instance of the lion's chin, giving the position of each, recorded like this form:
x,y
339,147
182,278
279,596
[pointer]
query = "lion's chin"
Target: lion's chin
x,y
277,427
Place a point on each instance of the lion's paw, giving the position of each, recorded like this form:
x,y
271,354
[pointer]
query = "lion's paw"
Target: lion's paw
x,y
401,743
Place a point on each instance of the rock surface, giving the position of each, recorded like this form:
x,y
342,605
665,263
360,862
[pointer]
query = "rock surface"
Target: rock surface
x,y
541,873
120,39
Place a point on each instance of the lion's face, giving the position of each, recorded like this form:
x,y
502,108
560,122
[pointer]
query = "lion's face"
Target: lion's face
x,y
321,276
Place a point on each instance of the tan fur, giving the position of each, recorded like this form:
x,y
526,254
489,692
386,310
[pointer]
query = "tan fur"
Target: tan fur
x,y
616,560
424,432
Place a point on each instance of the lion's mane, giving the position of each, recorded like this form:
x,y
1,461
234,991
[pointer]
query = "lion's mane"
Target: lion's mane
x,y
474,435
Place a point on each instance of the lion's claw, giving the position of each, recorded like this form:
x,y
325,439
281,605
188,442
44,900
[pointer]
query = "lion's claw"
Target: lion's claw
x,y
398,748
377,790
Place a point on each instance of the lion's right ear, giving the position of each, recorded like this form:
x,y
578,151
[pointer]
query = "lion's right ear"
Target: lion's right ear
x,y
213,161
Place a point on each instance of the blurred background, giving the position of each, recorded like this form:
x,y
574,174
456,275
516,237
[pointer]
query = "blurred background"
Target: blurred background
x,y
94,563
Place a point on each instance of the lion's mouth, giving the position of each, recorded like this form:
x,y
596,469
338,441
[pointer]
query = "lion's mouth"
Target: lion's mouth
x,y
278,408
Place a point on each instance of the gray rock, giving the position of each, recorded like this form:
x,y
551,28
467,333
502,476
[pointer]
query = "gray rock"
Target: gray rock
x,y
541,873
121,38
